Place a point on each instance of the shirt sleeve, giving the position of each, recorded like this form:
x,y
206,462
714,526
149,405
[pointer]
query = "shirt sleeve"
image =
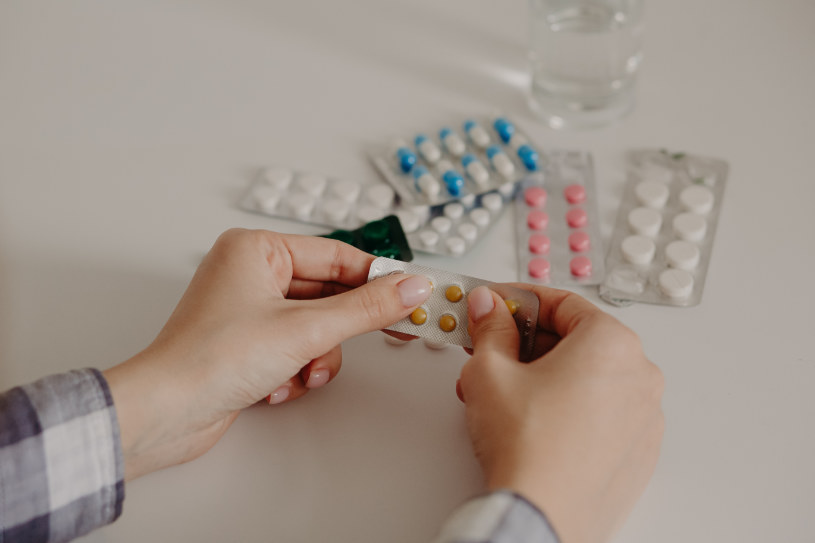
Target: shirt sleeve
x,y
499,517
61,463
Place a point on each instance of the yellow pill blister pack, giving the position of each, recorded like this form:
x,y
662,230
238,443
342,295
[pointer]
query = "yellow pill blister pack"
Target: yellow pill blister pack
x,y
442,318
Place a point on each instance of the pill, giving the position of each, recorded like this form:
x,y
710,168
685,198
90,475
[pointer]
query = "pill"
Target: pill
x,y
405,158
677,284
456,245
335,209
652,194
535,196
580,266
513,306
409,220
436,345
500,161
454,211
468,231
454,293
367,213
441,224
682,254
645,221
538,268
428,238
579,241
638,249
447,323
697,198
395,341
452,142
690,227
492,201
419,316
529,157
311,183
453,181
517,141
427,148
468,200
537,219
266,198
345,190
507,189
480,216
575,194
504,129
475,169
425,183
279,178
380,195
477,134
300,204
539,244
577,217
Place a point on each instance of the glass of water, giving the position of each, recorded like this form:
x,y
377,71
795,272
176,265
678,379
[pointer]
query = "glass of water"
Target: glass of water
x,y
584,57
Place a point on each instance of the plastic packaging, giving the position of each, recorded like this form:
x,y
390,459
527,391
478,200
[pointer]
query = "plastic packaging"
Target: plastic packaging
x,y
383,237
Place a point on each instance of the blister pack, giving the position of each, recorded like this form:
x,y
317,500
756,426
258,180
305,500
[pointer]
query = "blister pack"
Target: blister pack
x,y
383,237
557,223
473,158
663,237
317,199
442,318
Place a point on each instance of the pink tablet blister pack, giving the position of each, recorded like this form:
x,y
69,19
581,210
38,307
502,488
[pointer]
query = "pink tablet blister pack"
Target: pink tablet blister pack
x,y
557,223
661,245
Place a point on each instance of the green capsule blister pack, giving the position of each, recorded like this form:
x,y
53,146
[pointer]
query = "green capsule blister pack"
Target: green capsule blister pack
x,y
384,237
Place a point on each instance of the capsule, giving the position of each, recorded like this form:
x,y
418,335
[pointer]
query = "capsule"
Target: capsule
x,y
504,129
452,141
477,134
405,158
425,183
529,157
475,169
427,148
452,179
500,161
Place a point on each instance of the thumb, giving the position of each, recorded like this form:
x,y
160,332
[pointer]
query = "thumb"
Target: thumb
x,y
369,307
492,327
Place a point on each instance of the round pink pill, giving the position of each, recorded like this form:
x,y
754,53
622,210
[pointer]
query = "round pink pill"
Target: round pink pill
x,y
537,219
576,217
535,196
579,242
539,244
580,266
575,194
539,268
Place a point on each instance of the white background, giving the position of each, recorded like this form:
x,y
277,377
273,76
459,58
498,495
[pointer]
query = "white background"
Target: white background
x,y
129,129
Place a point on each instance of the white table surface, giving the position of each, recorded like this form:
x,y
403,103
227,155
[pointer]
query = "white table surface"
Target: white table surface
x,y
128,130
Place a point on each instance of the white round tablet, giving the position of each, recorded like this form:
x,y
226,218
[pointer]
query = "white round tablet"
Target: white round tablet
x,y
266,198
456,245
492,201
652,194
311,182
454,211
335,209
441,224
467,200
507,189
380,195
278,178
690,227
300,204
428,238
638,249
480,216
367,213
676,284
345,190
468,231
409,220
697,198
422,212
645,221
682,254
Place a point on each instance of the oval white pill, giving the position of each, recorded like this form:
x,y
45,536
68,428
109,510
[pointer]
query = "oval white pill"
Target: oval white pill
x,y
468,231
278,177
367,213
380,195
345,190
454,211
697,198
690,227
428,238
645,221
409,221
638,249
480,216
335,209
456,245
682,254
441,224
311,182
492,201
652,194
300,204
677,284
266,198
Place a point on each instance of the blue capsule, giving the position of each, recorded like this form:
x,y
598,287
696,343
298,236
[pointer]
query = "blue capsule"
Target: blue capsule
x,y
493,150
467,159
453,181
406,159
504,128
529,157
469,125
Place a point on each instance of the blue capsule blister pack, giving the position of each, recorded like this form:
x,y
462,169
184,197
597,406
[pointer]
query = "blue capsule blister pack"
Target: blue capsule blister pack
x,y
457,161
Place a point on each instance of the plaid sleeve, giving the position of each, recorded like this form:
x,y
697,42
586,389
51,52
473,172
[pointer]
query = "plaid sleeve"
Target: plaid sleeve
x,y
61,464
499,517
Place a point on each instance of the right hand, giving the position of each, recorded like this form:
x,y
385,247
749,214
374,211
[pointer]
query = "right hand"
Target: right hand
x,y
578,430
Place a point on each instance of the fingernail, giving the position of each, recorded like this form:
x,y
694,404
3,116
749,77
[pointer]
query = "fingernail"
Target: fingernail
x,y
279,395
480,302
414,290
318,378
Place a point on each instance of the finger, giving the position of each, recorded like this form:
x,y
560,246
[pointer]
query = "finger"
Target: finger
x,y
322,369
323,259
492,327
306,289
560,310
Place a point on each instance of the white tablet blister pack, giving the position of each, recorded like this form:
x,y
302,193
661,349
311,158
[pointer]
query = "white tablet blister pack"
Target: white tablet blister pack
x,y
661,245
457,161
442,318
317,199
557,223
